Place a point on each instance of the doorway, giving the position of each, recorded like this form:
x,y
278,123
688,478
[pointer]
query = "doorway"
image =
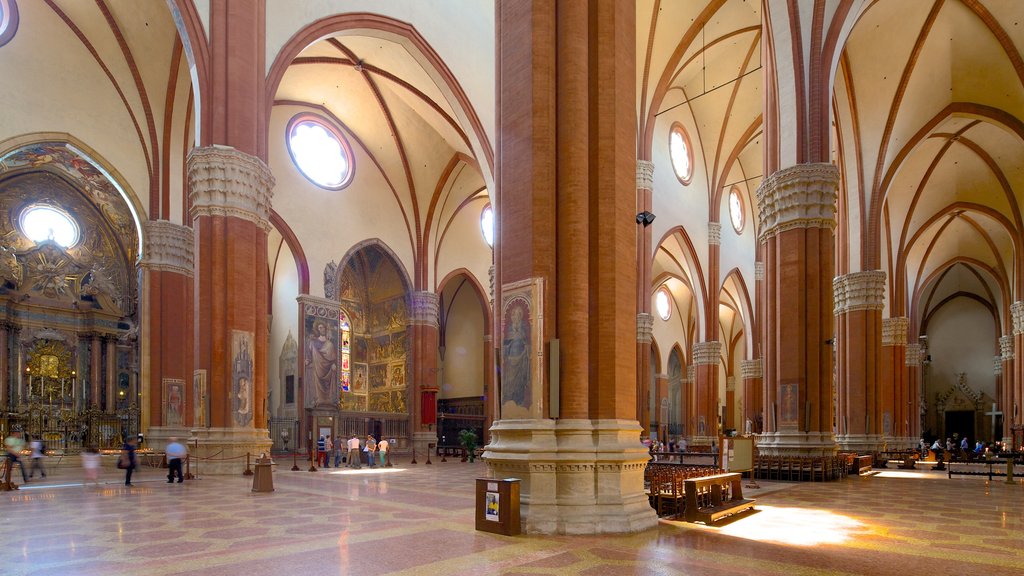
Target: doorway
x,y
960,422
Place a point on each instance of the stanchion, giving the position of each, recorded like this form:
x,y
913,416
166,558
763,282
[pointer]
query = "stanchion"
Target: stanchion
x,y
428,457
188,467
248,469
7,485
1009,470
196,452
295,463
312,459
413,455
444,455
387,457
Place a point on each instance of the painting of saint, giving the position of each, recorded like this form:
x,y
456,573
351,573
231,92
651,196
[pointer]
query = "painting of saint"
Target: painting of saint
x,y
322,362
241,377
359,378
790,400
515,354
174,402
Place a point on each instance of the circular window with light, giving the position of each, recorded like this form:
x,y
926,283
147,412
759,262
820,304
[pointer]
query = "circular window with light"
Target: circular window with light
x,y
487,225
42,222
736,210
681,153
320,151
663,303
8,20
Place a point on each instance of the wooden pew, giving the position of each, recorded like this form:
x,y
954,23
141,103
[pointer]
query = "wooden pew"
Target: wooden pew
x,y
712,497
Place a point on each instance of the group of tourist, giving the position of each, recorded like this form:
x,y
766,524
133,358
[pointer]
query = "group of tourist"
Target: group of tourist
x,y
962,449
328,449
15,445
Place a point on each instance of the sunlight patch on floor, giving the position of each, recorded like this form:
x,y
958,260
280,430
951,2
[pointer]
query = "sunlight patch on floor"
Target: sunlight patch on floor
x,y
794,526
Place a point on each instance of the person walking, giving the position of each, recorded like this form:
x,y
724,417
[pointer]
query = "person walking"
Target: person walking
x,y
14,445
353,452
382,448
38,453
176,454
91,465
320,444
338,445
328,450
370,448
126,461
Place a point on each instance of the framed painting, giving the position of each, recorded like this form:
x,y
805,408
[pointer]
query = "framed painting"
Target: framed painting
x,y
522,350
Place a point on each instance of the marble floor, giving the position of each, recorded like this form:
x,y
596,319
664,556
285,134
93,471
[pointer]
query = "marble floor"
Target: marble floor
x,y
417,519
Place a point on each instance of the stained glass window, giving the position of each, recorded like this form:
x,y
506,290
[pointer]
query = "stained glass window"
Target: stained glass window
x,y
346,352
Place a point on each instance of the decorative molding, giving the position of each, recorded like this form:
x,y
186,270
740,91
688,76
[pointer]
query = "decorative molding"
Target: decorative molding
x,y
758,271
801,196
750,369
730,383
331,280
424,308
859,291
913,355
319,307
169,247
1006,347
997,365
490,280
707,353
894,331
691,374
644,328
714,233
661,376
223,181
644,175
961,384
1017,314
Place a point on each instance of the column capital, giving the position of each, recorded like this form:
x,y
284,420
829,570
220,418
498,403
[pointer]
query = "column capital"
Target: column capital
x,y
320,307
894,331
913,354
1006,347
1017,314
644,175
758,271
424,308
997,365
707,353
661,376
169,247
859,291
730,383
801,196
691,374
223,181
714,233
750,369
644,328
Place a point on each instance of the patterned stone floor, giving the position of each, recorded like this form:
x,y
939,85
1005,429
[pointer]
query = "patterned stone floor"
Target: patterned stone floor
x,y
419,520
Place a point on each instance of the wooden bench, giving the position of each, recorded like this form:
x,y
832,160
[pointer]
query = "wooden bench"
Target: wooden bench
x,y
712,497
861,464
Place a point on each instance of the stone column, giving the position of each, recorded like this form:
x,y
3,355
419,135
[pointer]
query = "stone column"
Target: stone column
x,y
110,359
567,139
753,401
912,377
895,393
423,335
730,404
706,358
1016,383
660,396
644,338
858,309
167,349
1005,364
797,206
230,192
95,371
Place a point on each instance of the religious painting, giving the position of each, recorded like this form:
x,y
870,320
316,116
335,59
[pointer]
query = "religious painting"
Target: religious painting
x,y
702,425
359,379
241,377
521,371
392,401
378,376
199,398
174,402
359,350
321,356
789,412
397,379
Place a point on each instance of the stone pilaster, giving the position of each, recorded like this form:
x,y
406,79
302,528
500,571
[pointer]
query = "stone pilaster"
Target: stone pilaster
x,y
714,233
644,328
894,331
644,175
759,271
169,247
1006,347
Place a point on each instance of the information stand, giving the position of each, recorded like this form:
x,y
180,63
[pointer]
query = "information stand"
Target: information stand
x,y
497,506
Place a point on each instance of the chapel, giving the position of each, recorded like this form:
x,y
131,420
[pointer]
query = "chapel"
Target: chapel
x,y
568,227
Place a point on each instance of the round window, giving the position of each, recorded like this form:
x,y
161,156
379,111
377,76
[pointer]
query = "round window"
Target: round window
x,y
663,303
42,222
320,151
736,210
8,20
680,152
487,225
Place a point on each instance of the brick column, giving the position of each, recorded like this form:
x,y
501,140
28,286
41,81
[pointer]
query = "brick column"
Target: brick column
x,y
423,335
661,396
753,401
644,320
644,338
706,358
1004,377
1016,382
690,405
168,272
858,309
797,206
566,122
894,390
912,376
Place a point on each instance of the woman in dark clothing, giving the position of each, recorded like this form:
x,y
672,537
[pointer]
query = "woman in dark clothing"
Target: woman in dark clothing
x,y
129,454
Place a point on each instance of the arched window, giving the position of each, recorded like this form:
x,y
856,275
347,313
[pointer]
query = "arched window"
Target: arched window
x,y
663,303
320,151
737,211
41,222
681,153
487,225
8,20
345,330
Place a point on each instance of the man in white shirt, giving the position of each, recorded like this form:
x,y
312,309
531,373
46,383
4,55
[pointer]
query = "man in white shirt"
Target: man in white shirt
x,y
382,449
176,454
353,452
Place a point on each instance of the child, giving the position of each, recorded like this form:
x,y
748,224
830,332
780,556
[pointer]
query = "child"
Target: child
x,y
91,464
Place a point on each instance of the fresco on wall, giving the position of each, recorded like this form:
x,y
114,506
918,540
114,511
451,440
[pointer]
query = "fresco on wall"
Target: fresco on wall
x,y
522,377
371,287
241,377
173,401
789,413
320,356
